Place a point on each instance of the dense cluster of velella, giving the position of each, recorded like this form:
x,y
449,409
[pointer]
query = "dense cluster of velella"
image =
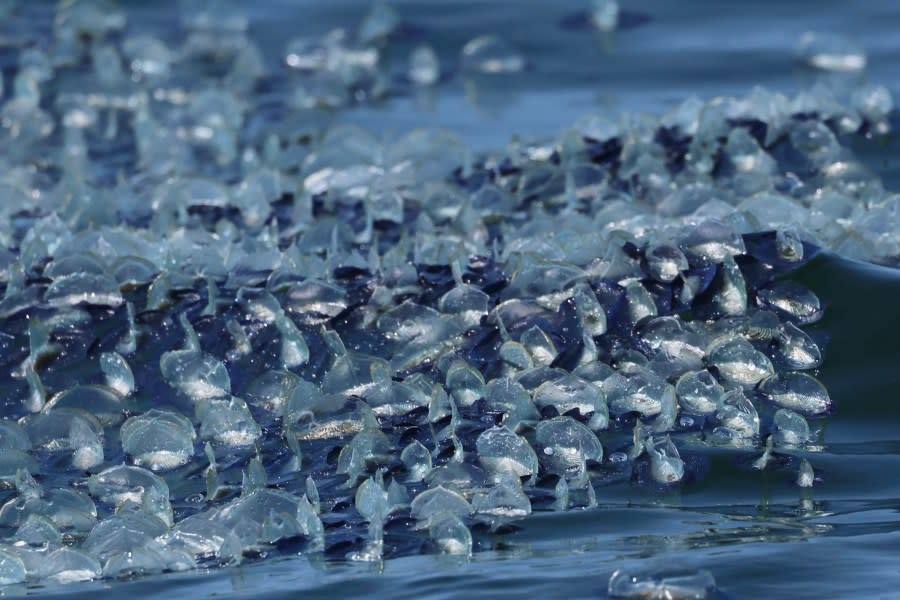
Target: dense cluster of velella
x,y
227,332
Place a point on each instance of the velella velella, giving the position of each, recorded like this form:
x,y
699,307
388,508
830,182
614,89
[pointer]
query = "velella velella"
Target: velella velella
x,y
238,333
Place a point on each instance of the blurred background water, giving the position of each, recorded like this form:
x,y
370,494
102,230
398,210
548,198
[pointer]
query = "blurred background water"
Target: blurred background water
x,y
754,531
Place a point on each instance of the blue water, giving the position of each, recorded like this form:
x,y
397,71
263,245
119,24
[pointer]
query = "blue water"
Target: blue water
x,y
701,48
755,532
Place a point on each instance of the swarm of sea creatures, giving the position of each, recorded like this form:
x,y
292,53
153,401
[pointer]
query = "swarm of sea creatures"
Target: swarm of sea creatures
x,y
228,331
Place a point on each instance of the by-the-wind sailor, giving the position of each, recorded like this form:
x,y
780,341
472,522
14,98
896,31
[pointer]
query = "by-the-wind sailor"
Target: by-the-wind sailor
x,y
417,460
504,500
491,54
424,68
698,392
639,302
13,437
66,565
352,373
227,421
468,303
102,402
259,304
806,476
74,264
38,530
450,534
668,585
831,52
113,532
12,568
39,344
873,101
49,430
271,390
731,296
605,14
672,342
594,371
314,301
513,400
421,333
464,383
294,349
88,288
500,450
124,483
738,362
644,393
737,414
789,245
249,515
515,357
712,241
791,300
197,374
542,349
435,503
87,445
203,538
149,57
665,261
371,503
797,349
368,321
365,448
331,417
151,558
564,446
12,461
118,374
572,393
797,391
590,312
68,509
790,428
158,439
666,465
379,23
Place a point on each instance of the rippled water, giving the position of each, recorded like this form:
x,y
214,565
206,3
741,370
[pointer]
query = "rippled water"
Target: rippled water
x,y
754,531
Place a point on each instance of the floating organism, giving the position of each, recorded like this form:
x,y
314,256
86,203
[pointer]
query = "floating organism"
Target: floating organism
x,y
698,392
739,363
737,415
666,465
797,391
491,54
806,477
347,323
663,584
791,429
158,439
424,66
831,52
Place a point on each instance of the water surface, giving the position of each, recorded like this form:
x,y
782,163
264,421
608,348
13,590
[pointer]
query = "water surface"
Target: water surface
x,y
757,533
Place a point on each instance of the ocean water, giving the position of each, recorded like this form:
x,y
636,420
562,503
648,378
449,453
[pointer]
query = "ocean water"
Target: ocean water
x,y
754,531
757,533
